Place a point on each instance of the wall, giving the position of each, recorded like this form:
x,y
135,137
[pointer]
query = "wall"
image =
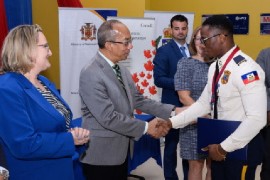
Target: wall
x,y
45,13
126,8
251,43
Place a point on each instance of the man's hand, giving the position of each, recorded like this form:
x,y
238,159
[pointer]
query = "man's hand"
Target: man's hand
x,y
216,152
165,124
158,128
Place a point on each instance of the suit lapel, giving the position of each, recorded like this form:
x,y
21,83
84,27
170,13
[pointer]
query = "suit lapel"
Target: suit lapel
x,y
107,69
176,49
125,75
35,95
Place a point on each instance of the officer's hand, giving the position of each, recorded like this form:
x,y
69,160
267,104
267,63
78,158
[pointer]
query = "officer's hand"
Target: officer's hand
x,y
216,152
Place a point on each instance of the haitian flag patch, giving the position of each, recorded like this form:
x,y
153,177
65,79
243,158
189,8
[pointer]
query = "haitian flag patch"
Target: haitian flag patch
x,y
250,77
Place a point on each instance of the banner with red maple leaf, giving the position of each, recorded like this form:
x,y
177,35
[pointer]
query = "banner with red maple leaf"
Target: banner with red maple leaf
x,y
140,60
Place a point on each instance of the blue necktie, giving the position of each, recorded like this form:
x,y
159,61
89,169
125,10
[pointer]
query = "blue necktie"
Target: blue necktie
x,y
182,48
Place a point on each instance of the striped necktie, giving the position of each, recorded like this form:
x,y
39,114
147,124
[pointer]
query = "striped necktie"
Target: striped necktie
x,y
182,48
118,75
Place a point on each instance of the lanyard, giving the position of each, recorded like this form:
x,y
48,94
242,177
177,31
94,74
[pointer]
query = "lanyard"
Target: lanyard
x,y
217,77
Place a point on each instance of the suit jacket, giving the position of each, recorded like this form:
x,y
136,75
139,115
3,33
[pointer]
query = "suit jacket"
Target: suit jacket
x,y
107,111
165,67
32,132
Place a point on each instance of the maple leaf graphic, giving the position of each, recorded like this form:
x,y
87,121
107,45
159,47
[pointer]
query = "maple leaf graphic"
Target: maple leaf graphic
x,y
149,76
144,83
152,90
154,44
147,54
138,87
135,77
157,41
141,91
154,52
149,66
138,111
142,74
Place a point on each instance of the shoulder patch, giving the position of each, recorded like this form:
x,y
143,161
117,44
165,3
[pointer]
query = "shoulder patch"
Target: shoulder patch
x,y
239,60
250,77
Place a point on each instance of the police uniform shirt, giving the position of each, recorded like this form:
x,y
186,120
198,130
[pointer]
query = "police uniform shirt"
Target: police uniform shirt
x,y
241,97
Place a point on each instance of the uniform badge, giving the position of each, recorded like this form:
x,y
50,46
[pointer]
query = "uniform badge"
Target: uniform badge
x,y
250,77
225,78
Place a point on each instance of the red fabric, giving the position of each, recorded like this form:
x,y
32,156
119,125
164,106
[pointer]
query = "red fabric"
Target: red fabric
x,y
69,3
3,24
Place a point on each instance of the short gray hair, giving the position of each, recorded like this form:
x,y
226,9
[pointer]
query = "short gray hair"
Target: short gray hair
x,y
106,33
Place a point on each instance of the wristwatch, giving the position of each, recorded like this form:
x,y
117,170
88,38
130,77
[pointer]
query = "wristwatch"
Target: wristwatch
x,y
173,111
4,173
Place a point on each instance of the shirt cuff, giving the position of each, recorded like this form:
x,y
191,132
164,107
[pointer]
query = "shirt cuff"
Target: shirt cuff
x,y
145,128
178,121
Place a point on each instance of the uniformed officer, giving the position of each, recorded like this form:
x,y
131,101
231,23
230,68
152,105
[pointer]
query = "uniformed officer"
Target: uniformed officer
x,y
235,91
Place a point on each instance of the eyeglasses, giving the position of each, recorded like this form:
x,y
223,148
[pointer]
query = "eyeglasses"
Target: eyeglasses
x,y
203,40
125,43
46,46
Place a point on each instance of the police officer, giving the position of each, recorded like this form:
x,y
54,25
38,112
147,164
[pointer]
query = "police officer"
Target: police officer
x,y
235,91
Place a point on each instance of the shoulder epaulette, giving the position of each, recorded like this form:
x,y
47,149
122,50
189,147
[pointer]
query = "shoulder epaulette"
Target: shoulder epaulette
x,y
239,60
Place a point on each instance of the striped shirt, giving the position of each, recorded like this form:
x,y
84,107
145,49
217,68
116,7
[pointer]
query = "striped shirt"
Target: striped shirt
x,y
57,104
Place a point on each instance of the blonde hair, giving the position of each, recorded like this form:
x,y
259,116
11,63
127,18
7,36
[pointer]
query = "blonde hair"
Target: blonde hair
x,y
18,49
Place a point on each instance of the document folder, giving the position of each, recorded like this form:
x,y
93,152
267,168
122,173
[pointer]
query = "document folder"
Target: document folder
x,y
214,131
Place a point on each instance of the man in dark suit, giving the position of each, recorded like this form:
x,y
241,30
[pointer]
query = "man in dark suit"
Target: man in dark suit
x,y
109,97
165,67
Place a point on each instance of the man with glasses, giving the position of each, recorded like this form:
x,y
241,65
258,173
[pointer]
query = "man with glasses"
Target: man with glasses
x,y
235,91
165,67
109,96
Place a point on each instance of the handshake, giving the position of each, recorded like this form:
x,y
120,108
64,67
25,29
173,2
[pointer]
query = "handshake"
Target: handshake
x,y
158,127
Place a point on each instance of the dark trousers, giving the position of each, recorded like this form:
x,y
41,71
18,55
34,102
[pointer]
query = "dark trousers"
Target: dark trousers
x,y
250,172
170,156
265,171
226,170
116,172
2,158
232,169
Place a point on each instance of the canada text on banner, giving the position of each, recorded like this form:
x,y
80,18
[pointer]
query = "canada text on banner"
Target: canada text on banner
x,y
140,59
